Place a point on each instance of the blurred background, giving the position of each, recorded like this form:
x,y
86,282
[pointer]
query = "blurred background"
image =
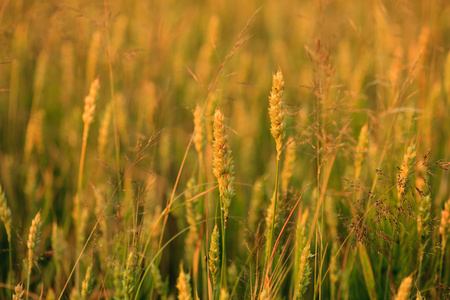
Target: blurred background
x,y
345,64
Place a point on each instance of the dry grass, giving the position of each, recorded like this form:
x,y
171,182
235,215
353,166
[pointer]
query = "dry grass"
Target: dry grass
x,y
351,201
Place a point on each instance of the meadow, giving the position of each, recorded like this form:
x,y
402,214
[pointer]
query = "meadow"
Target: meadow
x,y
224,149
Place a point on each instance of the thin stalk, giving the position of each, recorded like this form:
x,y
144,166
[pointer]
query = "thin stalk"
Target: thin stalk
x,y
28,280
204,251
272,227
77,202
10,261
223,275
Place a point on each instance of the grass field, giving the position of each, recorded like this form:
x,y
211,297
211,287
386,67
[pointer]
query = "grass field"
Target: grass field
x,y
224,149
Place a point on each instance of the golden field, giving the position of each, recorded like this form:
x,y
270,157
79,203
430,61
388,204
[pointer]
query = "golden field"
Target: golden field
x,y
224,149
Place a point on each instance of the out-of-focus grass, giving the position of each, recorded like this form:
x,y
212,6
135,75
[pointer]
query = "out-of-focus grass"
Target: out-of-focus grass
x,y
345,64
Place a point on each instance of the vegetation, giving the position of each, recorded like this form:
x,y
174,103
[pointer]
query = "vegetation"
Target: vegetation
x,y
224,149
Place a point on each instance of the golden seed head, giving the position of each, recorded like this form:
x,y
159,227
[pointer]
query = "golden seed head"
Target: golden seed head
x,y
403,176
199,130
276,111
361,149
18,292
128,279
5,213
33,238
88,283
405,289
183,285
89,102
223,166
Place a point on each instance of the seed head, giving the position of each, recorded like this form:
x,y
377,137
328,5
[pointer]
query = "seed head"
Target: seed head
x,y
361,149
405,289
223,166
214,255
199,130
89,103
33,239
18,292
403,176
276,112
5,213
184,285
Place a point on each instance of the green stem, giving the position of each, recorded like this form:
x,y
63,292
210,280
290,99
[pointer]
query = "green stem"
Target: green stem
x,y
10,261
223,281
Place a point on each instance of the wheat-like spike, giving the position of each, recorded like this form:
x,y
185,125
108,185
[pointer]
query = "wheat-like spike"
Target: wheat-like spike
x,y
304,272
214,255
88,283
288,165
32,244
33,239
276,111
302,256
361,149
423,219
403,176
223,166
129,276
89,103
199,130
18,292
184,285
5,213
405,289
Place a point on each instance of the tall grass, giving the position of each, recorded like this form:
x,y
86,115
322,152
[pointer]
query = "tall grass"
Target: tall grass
x,y
199,170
